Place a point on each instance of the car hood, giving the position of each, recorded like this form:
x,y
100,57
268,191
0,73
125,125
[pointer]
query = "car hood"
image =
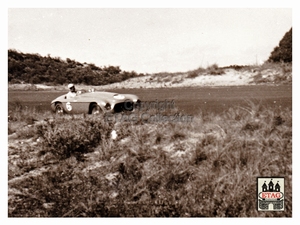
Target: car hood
x,y
104,95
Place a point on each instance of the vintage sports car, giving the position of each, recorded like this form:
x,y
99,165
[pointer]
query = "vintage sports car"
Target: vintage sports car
x,y
95,102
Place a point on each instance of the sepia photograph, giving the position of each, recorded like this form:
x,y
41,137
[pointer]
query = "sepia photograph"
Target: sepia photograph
x,y
149,112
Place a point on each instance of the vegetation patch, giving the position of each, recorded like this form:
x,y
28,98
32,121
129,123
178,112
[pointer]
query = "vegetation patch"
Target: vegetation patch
x,y
71,167
37,69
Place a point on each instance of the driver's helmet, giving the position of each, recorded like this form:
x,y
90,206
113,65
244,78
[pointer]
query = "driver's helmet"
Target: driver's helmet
x,y
70,85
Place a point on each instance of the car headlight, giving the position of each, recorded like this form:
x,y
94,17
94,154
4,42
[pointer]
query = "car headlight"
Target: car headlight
x,y
107,106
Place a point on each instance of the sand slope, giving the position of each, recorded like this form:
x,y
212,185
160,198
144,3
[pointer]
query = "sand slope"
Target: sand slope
x,y
231,77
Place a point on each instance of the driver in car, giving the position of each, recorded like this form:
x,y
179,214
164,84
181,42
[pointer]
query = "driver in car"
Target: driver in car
x,y
72,93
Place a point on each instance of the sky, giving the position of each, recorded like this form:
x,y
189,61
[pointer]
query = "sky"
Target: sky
x,y
150,40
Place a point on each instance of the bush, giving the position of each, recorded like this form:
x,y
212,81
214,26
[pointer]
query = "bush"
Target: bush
x,y
196,73
283,52
193,74
214,70
66,137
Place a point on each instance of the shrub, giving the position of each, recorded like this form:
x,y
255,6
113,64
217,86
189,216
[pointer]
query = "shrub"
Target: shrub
x,y
283,52
66,137
193,74
214,70
196,73
200,154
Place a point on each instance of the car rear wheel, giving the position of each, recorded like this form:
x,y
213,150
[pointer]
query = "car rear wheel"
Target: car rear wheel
x,y
96,110
59,109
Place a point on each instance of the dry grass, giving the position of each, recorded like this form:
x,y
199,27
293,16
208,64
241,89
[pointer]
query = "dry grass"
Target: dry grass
x,y
207,168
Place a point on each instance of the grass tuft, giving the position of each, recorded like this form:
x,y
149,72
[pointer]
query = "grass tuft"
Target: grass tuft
x,y
207,168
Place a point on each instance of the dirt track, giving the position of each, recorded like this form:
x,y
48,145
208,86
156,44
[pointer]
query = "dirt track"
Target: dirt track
x,y
188,99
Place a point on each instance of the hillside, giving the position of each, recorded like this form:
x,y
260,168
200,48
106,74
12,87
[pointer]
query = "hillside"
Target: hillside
x,y
36,69
268,73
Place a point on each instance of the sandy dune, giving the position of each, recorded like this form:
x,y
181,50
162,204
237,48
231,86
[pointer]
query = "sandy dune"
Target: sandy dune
x,y
231,77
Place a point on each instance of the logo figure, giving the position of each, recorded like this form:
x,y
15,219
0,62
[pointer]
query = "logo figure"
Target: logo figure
x,y
270,195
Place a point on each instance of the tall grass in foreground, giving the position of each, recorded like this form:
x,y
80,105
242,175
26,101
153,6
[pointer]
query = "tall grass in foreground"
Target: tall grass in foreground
x,y
207,168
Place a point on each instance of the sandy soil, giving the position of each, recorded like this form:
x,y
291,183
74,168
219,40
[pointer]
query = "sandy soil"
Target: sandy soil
x,y
230,78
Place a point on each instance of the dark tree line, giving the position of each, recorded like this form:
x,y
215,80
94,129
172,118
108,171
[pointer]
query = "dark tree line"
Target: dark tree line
x,y
36,69
283,52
